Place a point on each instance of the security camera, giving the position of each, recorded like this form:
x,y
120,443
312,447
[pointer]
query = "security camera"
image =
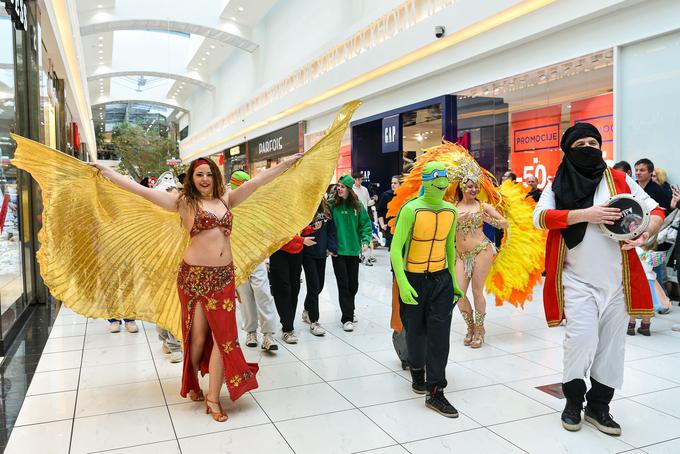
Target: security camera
x,y
439,31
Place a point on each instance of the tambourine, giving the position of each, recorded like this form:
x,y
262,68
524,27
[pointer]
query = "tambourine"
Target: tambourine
x,y
634,218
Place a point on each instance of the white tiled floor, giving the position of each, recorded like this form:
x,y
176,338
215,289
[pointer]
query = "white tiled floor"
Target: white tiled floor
x,y
342,393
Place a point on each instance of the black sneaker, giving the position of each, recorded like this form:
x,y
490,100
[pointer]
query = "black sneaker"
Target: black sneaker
x,y
418,381
603,421
437,402
571,417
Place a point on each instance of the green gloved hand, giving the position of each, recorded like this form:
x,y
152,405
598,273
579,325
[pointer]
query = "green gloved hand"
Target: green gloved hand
x,y
406,292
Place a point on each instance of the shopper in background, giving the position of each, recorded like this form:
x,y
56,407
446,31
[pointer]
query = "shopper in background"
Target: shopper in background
x,y
353,231
643,174
255,295
285,268
535,193
660,177
509,175
314,263
384,200
360,190
624,167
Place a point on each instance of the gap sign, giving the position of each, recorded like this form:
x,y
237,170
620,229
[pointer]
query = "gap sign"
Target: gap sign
x,y
391,134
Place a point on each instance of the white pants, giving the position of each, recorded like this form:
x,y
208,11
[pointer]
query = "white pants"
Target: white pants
x,y
257,302
595,337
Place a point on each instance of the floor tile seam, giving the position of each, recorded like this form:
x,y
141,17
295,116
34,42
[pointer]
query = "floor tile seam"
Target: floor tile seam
x,y
160,384
651,349
271,421
365,451
75,402
52,392
659,355
42,422
632,396
539,364
661,442
135,446
231,429
462,363
117,363
652,374
524,351
360,376
86,348
122,384
259,390
650,407
460,432
307,359
492,426
49,338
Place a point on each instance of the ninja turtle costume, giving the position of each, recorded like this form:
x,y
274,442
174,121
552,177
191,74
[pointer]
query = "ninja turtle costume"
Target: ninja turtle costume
x,y
423,255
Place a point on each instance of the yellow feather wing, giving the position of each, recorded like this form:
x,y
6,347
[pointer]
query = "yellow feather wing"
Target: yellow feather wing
x,y
518,266
105,252
276,212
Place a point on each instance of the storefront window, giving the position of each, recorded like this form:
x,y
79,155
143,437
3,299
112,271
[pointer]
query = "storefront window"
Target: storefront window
x,y
11,277
516,123
422,129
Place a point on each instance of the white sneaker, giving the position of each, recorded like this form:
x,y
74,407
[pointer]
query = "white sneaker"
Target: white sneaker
x,y
176,356
131,327
114,327
165,349
317,329
355,319
269,344
290,337
348,326
305,317
676,327
251,339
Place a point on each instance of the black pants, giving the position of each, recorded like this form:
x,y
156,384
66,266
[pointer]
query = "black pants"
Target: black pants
x,y
428,324
284,277
346,269
315,274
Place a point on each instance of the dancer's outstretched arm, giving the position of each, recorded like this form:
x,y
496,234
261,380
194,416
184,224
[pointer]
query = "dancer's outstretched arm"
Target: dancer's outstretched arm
x,y
244,191
163,199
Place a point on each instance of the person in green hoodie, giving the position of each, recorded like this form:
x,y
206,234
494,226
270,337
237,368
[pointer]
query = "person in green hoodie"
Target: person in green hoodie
x,y
354,233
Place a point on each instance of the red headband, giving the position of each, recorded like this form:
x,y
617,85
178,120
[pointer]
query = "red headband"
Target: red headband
x,y
200,161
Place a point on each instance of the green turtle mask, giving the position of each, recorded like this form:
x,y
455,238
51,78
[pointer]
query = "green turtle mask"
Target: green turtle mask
x,y
435,181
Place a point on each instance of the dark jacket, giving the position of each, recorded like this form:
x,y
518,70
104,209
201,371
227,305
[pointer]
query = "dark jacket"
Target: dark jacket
x,y
325,240
384,200
535,194
657,193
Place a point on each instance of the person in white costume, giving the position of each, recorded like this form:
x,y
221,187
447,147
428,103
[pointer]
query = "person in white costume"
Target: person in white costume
x,y
255,295
592,281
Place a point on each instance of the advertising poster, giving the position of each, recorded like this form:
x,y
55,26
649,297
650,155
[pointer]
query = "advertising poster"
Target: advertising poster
x,y
535,143
345,161
598,111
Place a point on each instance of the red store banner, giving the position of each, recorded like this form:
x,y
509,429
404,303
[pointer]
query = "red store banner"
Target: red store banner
x,y
598,111
535,148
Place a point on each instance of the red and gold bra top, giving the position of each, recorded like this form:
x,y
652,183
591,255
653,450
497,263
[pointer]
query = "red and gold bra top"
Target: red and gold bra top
x,y
206,220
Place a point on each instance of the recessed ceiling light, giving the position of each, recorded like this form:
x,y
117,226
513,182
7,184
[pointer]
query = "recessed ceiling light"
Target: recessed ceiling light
x,y
240,9
203,59
232,18
101,38
212,46
101,51
100,6
207,52
200,64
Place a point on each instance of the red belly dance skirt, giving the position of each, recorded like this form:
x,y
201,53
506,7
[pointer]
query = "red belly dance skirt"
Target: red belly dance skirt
x,y
212,287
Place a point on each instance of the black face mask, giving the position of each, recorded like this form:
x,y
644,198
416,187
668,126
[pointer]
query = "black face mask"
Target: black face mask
x,y
576,180
586,160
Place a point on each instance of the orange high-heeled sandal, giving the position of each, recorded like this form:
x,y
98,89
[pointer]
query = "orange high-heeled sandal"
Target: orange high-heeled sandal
x,y
216,415
196,396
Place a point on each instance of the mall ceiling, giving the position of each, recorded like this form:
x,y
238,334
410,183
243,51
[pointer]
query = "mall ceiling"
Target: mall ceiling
x,y
157,52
